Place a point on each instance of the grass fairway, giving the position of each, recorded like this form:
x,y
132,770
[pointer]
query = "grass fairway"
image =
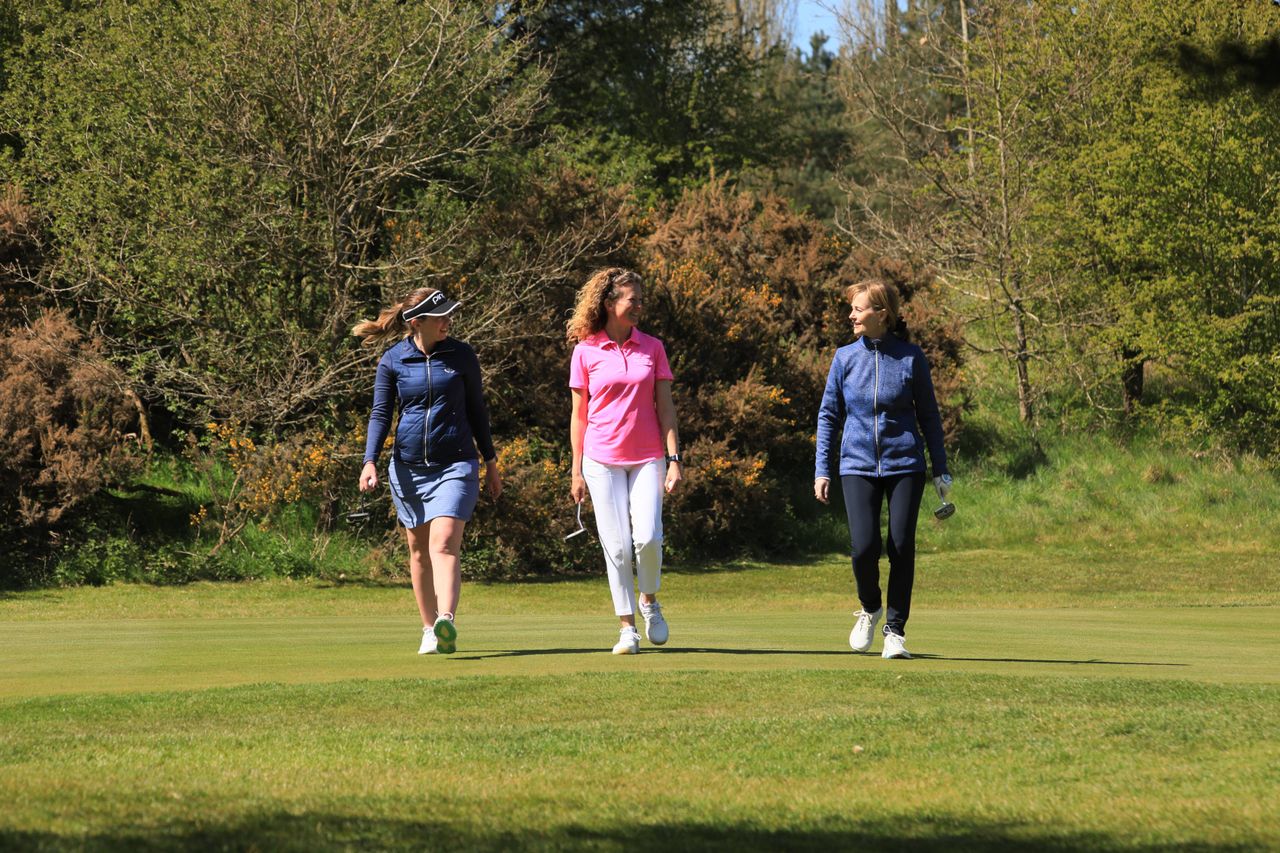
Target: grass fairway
x,y
297,716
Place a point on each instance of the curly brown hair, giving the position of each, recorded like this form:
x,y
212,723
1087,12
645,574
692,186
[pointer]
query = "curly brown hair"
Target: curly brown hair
x,y
589,309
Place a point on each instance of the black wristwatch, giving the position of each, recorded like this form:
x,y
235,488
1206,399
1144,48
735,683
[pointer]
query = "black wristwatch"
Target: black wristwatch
x,y
674,457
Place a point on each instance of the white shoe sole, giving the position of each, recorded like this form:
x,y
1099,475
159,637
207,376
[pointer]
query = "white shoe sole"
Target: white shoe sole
x,y
626,650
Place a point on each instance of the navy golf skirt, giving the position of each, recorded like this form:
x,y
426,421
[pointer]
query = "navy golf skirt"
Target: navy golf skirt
x,y
424,492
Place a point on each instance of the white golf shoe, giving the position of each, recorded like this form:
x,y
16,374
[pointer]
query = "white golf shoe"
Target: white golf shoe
x,y
864,629
895,646
429,641
628,642
655,627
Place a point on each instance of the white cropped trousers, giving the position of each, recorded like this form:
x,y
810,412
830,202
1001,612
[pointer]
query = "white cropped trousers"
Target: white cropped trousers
x,y
628,505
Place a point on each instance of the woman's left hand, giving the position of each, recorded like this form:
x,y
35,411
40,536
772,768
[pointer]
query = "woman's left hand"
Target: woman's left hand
x,y
492,480
674,476
943,486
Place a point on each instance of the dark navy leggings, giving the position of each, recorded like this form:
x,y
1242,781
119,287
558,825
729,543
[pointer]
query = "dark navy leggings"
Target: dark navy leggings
x,y
863,497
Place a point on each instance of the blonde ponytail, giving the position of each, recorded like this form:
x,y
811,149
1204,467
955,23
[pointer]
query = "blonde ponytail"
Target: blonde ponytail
x,y
390,325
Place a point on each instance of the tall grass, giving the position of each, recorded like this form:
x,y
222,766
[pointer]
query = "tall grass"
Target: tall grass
x,y
1091,492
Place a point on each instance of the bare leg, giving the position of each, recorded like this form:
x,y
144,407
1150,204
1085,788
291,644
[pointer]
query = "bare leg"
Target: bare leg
x,y
420,572
445,547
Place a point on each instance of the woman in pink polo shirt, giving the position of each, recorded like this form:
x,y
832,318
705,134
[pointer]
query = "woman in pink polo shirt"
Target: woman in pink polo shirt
x,y
626,449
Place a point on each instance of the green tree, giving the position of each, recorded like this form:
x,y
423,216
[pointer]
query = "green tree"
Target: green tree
x,y
678,87
227,184
1162,209
816,147
955,97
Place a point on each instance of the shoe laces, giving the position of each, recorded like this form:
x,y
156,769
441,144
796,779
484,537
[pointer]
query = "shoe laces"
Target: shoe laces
x,y
865,618
651,611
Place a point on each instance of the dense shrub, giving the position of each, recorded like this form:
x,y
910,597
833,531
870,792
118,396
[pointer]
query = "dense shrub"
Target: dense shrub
x,y
65,421
250,481
20,256
745,291
748,295
555,223
219,178
523,534
1240,384
65,433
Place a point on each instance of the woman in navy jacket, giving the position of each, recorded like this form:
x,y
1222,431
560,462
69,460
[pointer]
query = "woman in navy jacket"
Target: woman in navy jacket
x,y
878,403
434,474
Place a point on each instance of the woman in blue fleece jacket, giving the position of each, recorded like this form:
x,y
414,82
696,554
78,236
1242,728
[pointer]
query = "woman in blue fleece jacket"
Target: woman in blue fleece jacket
x,y
879,404
434,381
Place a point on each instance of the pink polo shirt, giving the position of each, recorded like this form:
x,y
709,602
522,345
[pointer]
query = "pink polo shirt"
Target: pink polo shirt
x,y
622,411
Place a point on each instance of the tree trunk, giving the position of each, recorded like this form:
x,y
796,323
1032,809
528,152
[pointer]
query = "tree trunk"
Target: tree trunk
x,y
968,104
1009,275
144,424
1022,356
1131,378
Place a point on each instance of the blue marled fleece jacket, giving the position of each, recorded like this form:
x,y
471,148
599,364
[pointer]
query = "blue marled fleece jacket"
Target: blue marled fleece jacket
x,y
878,400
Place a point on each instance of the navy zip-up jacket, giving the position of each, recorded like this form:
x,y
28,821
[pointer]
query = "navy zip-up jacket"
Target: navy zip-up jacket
x,y
442,412
878,400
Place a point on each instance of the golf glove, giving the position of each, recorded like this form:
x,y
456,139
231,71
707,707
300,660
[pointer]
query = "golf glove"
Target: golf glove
x,y
943,485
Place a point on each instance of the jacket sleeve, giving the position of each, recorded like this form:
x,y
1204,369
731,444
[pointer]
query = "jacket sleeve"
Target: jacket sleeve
x,y
830,418
927,414
477,411
384,400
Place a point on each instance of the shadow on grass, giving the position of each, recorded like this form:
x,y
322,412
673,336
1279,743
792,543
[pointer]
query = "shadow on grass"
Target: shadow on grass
x,y
516,653
342,832
1092,661
699,650
1004,447
596,572
362,582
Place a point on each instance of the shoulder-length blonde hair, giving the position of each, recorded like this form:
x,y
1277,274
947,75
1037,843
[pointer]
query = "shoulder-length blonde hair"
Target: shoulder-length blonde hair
x,y
883,296
589,311
390,324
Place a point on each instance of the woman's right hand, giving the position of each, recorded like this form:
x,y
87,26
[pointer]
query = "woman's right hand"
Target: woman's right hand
x,y
578,490
821,487
368,477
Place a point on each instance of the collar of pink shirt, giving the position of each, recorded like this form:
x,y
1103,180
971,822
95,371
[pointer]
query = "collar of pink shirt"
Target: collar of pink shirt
x,y
601,339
